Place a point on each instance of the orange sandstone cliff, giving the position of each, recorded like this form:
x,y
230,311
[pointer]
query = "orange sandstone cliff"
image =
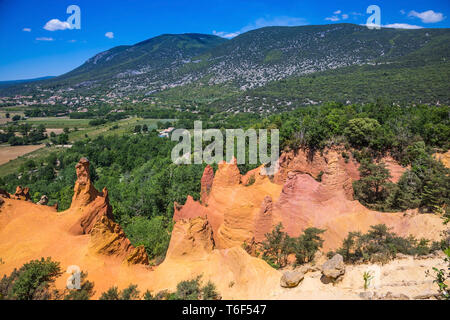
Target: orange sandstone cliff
x,y
239,211
208,234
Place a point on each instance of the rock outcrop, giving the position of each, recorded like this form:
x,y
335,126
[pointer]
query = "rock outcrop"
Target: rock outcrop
x,y
309,190
206,184
291,279
43,201
22,193
87,203
333,269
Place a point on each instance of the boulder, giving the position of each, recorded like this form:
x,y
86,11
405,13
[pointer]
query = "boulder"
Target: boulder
x,y
4,194
43,201
22,193
333,269
291,279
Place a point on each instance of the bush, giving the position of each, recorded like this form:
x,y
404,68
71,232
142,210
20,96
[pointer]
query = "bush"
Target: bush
x,y
85,292
129,293
111,294
187,290
152,233
359,131
277,247
33,281
380,245
307,244
373,187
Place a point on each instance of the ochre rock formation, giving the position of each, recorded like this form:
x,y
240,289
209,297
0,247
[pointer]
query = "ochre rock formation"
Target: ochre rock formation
x,y
309,190
84,235
206,182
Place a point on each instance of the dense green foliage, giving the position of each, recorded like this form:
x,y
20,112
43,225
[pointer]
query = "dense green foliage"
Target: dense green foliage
x,y
381,245
32,281
129,293
22,134
425,185
187,290
85,292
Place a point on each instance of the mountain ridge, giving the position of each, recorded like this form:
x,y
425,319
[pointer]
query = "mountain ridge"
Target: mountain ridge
x,y
249,61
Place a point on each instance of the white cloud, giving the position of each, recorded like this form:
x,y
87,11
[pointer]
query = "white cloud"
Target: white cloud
x,y
109,34
227,35
395,26
427,16
26,29
345,16
44,39
55,24
332,18
402,26
402,11
263,22
337,12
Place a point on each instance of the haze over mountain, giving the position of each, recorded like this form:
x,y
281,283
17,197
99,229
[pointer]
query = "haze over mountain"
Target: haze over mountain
x,y
255,59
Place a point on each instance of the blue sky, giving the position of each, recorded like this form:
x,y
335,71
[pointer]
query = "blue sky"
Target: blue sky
x,y
31,47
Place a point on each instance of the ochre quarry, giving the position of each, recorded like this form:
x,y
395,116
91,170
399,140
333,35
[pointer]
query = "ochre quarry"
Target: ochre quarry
x,y
207,238
309,190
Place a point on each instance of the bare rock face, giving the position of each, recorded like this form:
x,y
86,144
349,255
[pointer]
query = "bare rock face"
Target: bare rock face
x,y
90,204
264,219
108,238
191,237
22,194
206,183
43,201
291,279
227,175
333,269
84,190
137,256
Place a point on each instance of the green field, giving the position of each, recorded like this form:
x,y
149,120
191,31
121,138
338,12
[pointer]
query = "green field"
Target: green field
x,y
57,122
123,126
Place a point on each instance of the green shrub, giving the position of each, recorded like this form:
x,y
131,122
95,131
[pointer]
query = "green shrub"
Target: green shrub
x,y
307,244
33,281
85,292
129,293
111,294
381,245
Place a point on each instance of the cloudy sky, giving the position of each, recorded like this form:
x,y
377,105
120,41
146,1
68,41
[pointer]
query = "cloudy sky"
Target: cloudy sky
x,y
36,38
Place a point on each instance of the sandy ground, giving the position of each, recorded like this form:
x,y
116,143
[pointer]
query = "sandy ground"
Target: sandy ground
x,y
406,276
8,153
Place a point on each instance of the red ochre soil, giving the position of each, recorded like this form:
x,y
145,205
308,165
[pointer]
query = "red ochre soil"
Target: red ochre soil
x,y
208,235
